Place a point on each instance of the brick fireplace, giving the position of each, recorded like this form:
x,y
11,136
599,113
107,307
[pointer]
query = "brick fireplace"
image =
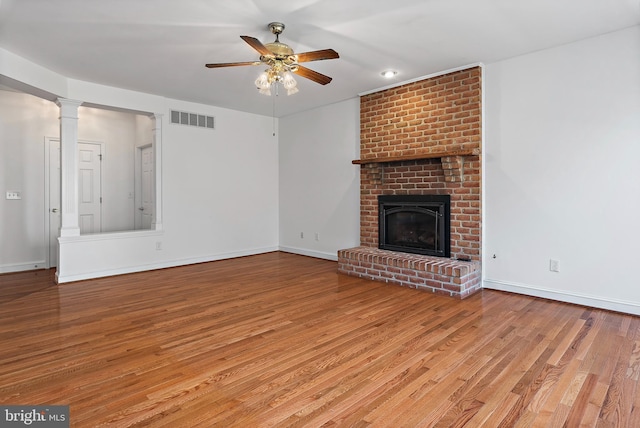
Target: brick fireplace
x,y
422,138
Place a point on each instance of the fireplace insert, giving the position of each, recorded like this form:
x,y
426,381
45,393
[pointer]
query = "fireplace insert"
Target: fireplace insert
x,y
418,224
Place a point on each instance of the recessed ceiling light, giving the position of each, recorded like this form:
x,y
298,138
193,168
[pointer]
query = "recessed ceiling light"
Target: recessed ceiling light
x,y
388,74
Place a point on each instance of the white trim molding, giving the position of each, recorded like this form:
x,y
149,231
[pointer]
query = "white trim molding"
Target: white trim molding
x,y
21,267
162,265
574,298
309,253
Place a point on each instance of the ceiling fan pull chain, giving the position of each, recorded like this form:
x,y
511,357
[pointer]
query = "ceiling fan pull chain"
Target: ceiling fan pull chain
x,y
273,113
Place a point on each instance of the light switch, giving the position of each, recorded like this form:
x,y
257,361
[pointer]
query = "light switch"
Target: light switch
x,y
14,194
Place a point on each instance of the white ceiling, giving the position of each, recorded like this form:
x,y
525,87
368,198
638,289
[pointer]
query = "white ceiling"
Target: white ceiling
x,y
161,46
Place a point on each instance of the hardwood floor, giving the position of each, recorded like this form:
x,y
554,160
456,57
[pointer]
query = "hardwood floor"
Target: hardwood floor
x,y
283,340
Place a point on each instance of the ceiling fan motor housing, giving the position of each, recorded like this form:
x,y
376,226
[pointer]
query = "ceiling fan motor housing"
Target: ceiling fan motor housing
x,y
280,50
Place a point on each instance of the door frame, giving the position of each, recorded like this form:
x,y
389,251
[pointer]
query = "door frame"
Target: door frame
x,y
137,176
47,201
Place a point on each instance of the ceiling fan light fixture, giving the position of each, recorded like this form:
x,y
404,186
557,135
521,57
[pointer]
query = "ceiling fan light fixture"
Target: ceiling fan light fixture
x,y
262,82
388,74
265,91
288,81
274,75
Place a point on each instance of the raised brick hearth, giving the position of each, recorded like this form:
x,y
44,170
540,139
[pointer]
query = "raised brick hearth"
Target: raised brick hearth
x,y
435,274
417,139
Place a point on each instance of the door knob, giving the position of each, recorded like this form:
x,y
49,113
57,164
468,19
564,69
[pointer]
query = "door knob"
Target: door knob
x,y
54,210
141,209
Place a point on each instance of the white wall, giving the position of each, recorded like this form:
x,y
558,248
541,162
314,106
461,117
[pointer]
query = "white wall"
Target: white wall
x,y
319,186
219,187
24,122
562,179
219,199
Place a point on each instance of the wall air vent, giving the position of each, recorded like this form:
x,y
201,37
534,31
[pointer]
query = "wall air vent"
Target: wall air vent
x,y
192,119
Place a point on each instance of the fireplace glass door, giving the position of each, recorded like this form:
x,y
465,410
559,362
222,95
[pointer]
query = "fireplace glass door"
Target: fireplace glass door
x,y
415,224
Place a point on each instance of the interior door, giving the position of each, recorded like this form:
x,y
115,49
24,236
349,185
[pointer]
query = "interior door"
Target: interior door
x,y
89,188
91,183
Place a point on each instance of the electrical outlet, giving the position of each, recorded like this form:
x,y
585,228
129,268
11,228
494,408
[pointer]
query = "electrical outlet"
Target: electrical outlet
x,y
14,194
317,236
554,265
301,235
159,245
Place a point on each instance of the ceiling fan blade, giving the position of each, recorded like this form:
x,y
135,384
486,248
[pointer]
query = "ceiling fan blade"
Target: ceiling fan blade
x,y
313,75
317,55
257,45
232,64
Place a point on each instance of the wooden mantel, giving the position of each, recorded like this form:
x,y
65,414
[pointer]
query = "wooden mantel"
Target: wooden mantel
x,y
432,155
452,162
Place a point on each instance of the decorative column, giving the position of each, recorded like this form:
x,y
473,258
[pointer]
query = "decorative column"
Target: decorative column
x,y
70,225
157,170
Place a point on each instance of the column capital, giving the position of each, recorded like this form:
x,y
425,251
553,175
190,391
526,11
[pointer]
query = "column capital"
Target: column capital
x,y
68,106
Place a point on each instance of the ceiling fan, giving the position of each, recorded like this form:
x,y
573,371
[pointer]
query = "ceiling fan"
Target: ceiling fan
x,y
281,62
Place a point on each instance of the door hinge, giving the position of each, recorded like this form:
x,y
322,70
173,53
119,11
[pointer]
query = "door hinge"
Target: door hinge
x,y
100,199
100,156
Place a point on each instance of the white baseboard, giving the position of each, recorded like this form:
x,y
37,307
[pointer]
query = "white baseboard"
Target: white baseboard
x,y
575,298
40,264
310,253
162,265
